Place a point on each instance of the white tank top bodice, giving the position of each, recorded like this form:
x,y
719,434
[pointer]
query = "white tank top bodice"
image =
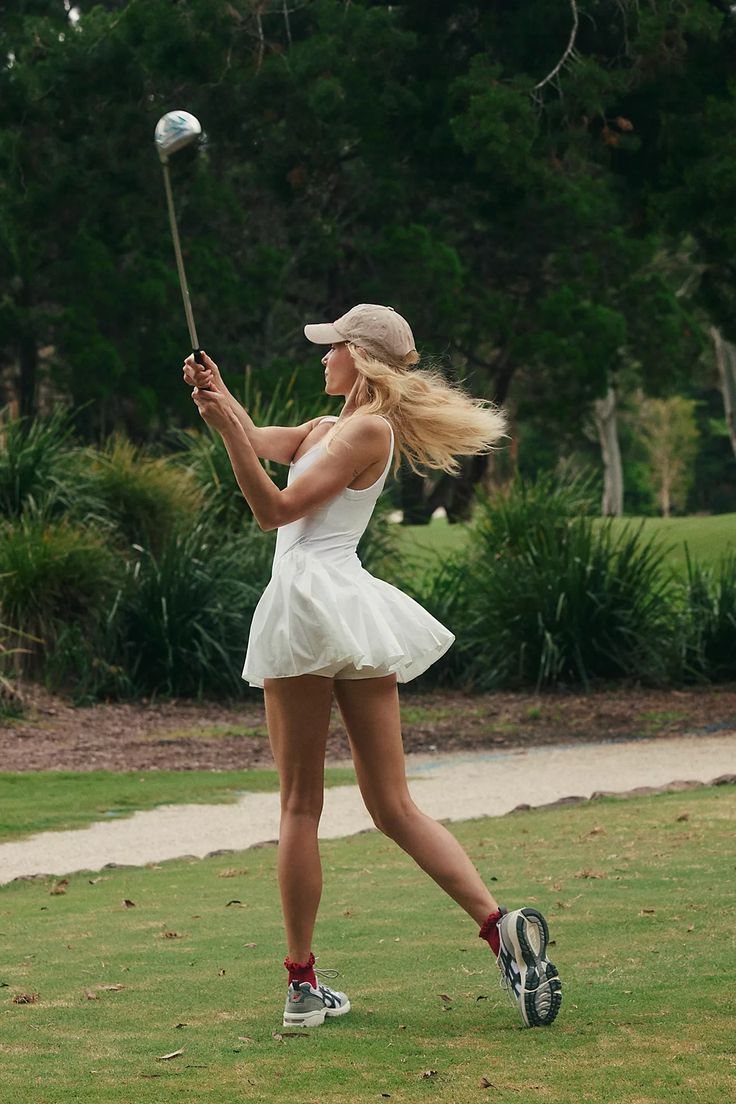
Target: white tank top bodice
x,y
334,529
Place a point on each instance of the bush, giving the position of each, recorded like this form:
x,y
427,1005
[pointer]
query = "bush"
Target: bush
x,y
35,469
708,622
53,575
184,620
144,498
552,598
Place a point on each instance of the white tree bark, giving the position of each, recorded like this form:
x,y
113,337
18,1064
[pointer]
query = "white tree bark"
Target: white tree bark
x,y
726,360
604,415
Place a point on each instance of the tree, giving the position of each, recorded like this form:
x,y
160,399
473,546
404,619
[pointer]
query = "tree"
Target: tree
x,y
670,437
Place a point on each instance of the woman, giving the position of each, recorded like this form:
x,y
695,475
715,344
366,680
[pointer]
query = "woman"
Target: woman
x,y
324,626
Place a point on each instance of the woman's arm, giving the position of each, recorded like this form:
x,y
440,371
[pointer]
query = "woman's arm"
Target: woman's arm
x,y
365,440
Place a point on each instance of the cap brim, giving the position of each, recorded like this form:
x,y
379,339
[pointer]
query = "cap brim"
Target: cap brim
x,y
322,333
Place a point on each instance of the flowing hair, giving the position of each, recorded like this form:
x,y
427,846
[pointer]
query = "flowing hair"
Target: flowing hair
x,y
434,420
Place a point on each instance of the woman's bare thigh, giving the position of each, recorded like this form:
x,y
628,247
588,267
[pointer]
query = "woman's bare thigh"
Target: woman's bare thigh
x,y
298,719
370,711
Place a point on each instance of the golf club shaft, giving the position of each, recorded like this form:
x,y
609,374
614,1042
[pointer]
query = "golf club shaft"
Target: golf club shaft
x,y
180,267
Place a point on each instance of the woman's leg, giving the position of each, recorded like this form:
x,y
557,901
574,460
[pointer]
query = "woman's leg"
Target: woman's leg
x,y
298,719
370,710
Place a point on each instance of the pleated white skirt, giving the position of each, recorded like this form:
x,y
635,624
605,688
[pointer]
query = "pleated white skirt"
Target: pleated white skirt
x,y
331,617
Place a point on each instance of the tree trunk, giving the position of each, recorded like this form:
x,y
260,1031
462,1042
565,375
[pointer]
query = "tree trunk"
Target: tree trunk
x,y
664,500
726,359
604,414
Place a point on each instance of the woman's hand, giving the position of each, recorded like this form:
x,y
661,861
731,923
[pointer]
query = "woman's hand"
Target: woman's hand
x,y
205,376
214,408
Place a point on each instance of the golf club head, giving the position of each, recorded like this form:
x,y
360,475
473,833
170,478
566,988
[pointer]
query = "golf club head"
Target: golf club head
x,y
174,130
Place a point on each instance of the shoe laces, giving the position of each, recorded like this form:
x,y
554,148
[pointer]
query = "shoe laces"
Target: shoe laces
x,y
327,973
513,988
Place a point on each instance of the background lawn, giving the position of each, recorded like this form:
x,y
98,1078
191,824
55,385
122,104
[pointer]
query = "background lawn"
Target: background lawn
x,y
640,896
41,801
708,538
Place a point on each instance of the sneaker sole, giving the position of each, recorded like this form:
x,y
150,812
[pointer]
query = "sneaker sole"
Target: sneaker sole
x,y
541,994
313,1019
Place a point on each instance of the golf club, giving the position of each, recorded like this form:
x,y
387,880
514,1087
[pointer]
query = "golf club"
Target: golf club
x,y
174,130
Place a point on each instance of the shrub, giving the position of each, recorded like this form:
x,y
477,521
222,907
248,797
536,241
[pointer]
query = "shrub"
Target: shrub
x,y
143,497
35,472
551,598
184,620
52,575
708,621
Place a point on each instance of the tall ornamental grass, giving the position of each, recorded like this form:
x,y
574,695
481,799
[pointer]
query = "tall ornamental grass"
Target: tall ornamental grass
x,y
37,470
184,619
548,597
53,574
708,625
144,499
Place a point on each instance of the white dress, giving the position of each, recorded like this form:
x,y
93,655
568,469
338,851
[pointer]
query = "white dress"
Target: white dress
x,y
322,613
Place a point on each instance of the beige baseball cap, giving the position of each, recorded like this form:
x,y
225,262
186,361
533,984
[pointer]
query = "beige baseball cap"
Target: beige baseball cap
x,y
379,330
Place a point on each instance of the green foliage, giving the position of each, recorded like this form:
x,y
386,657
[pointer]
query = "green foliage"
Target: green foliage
x,y
709,621
669,435
184,620
553,598
34,464
143,498
54,575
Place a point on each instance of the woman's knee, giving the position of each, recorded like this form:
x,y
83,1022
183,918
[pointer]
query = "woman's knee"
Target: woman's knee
x,y
302,804
393,819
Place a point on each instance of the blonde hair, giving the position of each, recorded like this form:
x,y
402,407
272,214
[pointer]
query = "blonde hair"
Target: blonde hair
x,y
434,420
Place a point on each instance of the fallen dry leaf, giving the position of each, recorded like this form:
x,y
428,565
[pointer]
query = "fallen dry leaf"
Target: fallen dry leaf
x,y
165,1057
182,1025
220,973
589,874
26,998
683,816
444,997
250,944
90,995
111,988
647,911
59,888
429,1073
245,1039
129,904
171,935
485,1083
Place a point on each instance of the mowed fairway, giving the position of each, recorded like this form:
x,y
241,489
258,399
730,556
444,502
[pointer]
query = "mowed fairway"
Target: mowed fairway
x,y
641,899
708,539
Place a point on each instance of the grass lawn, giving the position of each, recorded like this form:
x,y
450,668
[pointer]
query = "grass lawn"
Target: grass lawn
x,y
708,538
48,800
641,899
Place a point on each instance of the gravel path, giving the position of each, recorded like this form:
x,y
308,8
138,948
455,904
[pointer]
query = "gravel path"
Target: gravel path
x,y
460,786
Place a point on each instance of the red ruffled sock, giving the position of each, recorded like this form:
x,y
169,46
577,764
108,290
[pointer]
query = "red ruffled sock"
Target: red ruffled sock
x,y
302,971
489,931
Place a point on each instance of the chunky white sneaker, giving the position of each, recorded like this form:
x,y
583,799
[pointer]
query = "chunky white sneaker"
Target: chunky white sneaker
x,y
526,972
307,1006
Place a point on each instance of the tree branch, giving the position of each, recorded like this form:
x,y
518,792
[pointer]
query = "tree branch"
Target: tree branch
x,y
568,50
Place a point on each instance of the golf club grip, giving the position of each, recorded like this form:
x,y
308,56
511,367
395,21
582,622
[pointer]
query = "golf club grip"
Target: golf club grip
x,y
198,356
